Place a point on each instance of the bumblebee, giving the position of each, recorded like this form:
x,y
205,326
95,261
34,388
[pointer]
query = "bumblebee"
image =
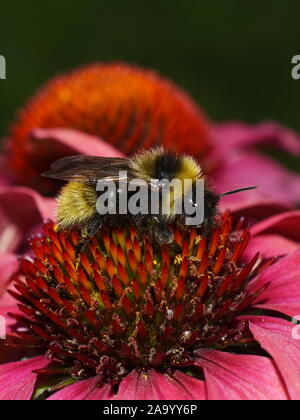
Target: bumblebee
x,y
77,202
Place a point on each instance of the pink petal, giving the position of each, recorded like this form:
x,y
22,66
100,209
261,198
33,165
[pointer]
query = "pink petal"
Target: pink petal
x,y
232,135
7,300
4,310
76,142
17,380
86,389
152,385
276,336
285,224
234,377
22,210
254,208
9,354
275,184
8,265
277,235
283,294
270,246
137,386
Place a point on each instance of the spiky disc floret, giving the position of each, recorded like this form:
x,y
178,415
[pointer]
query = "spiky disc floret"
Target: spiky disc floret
x,y
125,303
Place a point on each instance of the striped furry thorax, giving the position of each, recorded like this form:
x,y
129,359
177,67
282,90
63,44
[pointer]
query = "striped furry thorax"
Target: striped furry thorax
x,y
160,164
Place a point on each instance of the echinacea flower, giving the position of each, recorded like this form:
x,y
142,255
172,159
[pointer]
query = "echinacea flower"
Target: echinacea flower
x,y
128,319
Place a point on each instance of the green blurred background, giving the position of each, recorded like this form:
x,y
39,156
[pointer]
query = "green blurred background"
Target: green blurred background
x,y
233,57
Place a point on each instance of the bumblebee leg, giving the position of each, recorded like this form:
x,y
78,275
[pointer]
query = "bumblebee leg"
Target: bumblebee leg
x,y
162,233
87,233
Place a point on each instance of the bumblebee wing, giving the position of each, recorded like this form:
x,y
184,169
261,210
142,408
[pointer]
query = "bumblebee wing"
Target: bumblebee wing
x,y
88,169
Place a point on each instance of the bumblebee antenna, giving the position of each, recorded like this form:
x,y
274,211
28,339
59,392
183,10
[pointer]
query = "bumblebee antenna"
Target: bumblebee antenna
x,y
237,191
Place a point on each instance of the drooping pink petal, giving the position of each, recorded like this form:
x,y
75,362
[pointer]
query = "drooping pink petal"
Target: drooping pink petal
x,y
8,353
86,389
149,385
283,293
275,236
281,340
7,324
152,385
235,134
285,224
8,265
22,210
6,299
270,246
254,209
76,142
17,379
234,377
4,311
252,169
